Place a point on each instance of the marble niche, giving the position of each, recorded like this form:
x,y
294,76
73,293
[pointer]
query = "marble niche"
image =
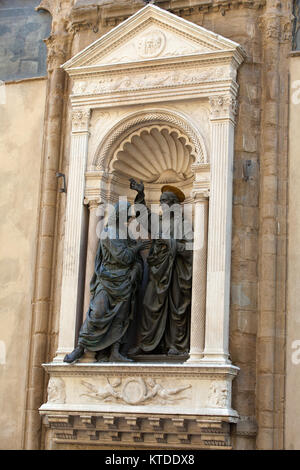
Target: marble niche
x,y
154,78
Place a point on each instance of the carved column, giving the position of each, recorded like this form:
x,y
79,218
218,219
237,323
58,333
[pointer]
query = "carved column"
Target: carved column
x,y
71,298
58,49
276,24
200,194
220,222
92,244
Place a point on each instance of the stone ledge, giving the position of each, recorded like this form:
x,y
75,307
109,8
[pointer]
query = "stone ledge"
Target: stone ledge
x,y
144,431
168,369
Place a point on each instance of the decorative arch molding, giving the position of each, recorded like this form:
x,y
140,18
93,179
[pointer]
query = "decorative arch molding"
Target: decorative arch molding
x,y
123,129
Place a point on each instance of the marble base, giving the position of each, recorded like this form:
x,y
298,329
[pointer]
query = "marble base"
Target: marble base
x,y
147,403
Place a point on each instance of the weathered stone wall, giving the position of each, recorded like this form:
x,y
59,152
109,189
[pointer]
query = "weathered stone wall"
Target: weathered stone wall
x,y
292,416
242,27
21,121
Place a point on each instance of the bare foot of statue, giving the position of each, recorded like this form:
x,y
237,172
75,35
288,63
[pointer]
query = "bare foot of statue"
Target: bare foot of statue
x,y
116,356
135,351
74,355
102,356
173,352
176,352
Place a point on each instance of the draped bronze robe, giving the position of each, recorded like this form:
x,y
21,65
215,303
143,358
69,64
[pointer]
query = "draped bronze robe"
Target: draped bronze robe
x,y
113,295
165,319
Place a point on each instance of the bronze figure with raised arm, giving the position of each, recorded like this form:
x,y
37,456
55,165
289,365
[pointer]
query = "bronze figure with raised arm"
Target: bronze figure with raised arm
x,y
165,317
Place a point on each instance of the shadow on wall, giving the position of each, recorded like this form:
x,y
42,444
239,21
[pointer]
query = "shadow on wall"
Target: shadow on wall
x,y
23,54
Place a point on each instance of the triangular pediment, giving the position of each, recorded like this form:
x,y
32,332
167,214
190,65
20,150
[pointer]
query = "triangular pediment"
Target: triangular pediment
x,y
150,34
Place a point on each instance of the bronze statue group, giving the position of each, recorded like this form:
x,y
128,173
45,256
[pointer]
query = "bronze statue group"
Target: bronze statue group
x,y
119,326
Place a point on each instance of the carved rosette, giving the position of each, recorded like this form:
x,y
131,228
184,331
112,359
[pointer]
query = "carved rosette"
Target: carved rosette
x,y
151,45
80,120
223,107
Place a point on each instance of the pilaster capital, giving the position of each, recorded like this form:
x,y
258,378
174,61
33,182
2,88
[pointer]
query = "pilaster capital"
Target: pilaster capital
x,y
92,203
200,194
201,184
277,24
287,24
58,47
270,25
202,168
81,120
223,107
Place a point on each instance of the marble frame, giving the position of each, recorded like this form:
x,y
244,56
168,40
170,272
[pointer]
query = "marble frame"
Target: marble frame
x,y
101,83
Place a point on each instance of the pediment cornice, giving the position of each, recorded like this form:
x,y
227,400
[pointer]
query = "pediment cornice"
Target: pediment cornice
x,y
149,38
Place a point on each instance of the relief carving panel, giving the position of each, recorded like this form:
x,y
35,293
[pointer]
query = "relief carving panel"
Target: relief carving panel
x,y
151,79
134,391
56,390
218,395
151,44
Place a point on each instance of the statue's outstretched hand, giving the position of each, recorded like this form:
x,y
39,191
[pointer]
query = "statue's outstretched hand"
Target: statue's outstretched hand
x,y
139,187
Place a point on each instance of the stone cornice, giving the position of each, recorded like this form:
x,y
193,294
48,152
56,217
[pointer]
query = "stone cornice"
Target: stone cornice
x,y
159,431
222,58
90,14
207,67
143,369
96,53
84,18
201,186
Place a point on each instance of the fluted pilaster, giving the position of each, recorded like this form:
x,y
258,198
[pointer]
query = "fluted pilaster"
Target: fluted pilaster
x,y
74,234
220,225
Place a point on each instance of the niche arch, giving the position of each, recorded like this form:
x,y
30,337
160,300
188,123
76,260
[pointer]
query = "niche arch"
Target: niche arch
x,y
132,123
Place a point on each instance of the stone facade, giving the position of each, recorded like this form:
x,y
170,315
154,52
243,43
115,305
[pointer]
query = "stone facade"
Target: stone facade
x,y
259,286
